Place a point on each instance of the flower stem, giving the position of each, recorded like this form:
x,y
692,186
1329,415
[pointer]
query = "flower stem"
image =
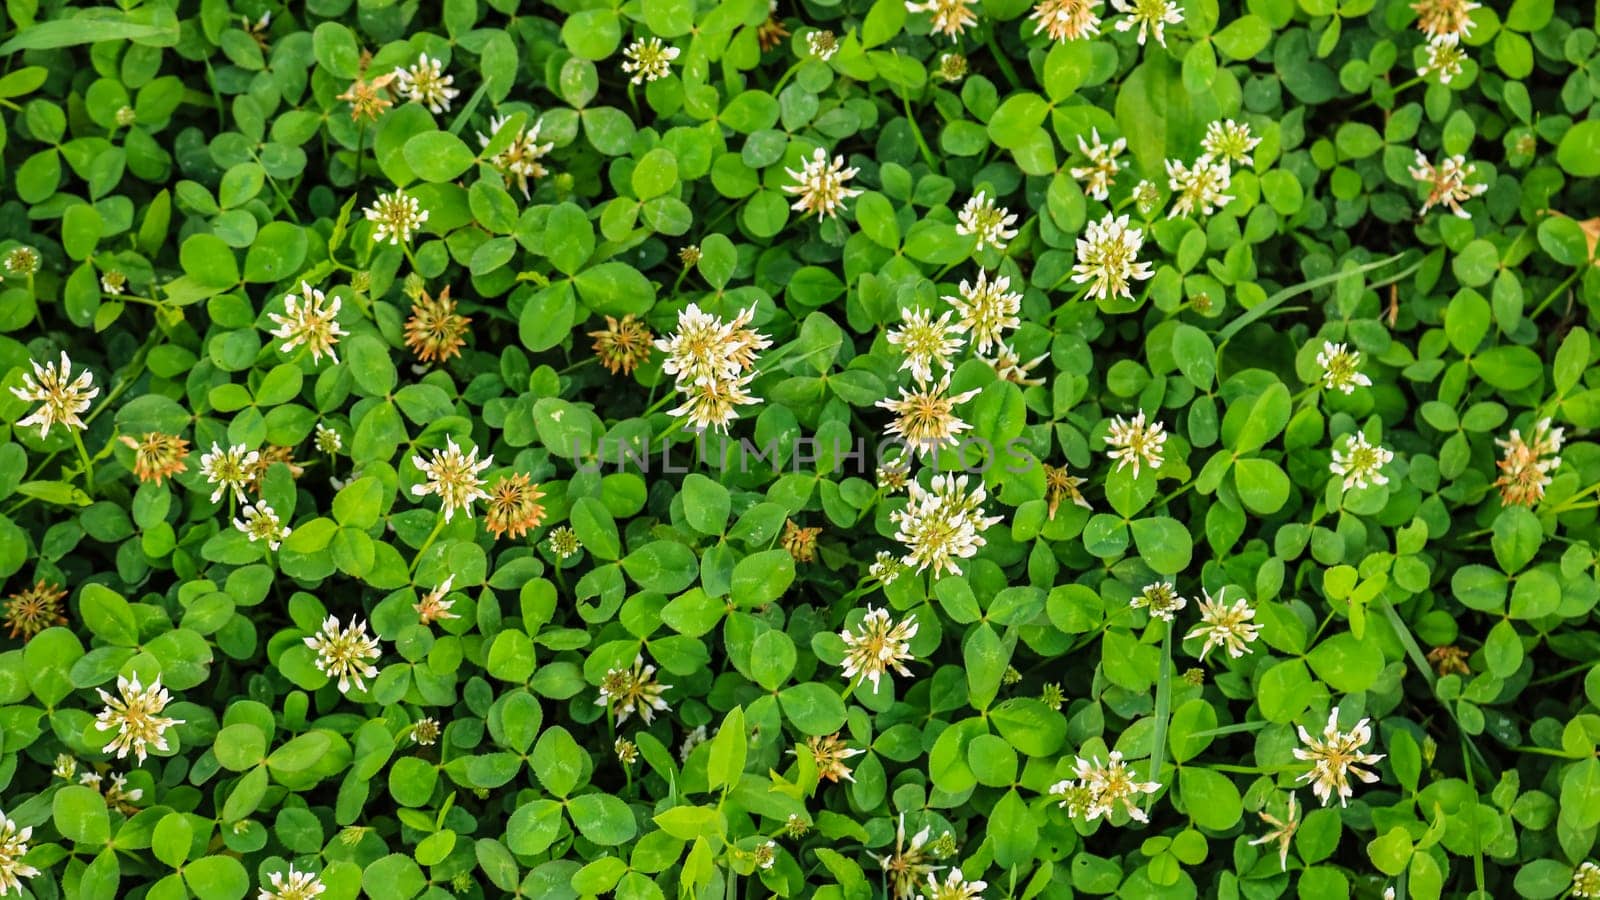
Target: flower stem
x,y
433,535
83,454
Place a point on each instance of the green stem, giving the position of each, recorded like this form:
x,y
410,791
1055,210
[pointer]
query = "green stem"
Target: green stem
x,y
1560,289
83,454
1002,61
916,132
433,535
1158,748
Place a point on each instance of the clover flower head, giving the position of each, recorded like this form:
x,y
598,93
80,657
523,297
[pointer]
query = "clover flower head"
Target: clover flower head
x,y
648,60
260,523
1108,258
1066,20
345,653
135,714
395,217
307,321
1135,441
980,216
453,476
1149,16
632,690
1335,756
925,415
951,18
877,645
1447,183
228,469
1101,172
942,524
293,885
425,82
925,342
1228,142
1199,187
1361,463
820,184
1341,368
1224,625
61,395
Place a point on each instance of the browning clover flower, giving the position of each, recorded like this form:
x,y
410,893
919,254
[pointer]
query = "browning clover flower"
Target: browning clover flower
x,y
821,184
344,653
831,756
157,456
980,216
1108,258
951,18
924,342
61,395
648,60
942,524
1066,20
1447,183
1152,16
367,98
433,607
801,543
1335,756
395,217
1058,486
1361,464
34,609
513,506
1445,21
877,645
1134,441
623,345
435,332
295,885
1341,368
925,415
988,309
1228,142
1282,831
261,523
1198,188
909,864
228,469
136,717
452,475
628,691
771,33
425,82
519,161
1225,626
1526,465
13,847
1101,172
305,321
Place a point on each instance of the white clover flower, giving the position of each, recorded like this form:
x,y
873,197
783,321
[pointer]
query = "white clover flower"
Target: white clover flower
x,y
980,216
820,184
433,606
66,766
113,282
886,567
1228,142
1133,441
1145,196
426,83
925,342
519,161
1586,880
1102,789
909,862
1447,183
925,415
1199,188
1225,626
228,469
1066,20
1361,464
877,645
1152,16
306,321
1526,464
454,476
951,18
1100,174
395,217
648,60
1445,21
635,690
954,887
327,440
343,653
1108,258
1160,599
21,261
704,344
13,847
942,524
1336,756
712,401
1341,368
62,395
261,523
693,739
822,44
1444,59
296,885
765,855
987,309
563,542
136,716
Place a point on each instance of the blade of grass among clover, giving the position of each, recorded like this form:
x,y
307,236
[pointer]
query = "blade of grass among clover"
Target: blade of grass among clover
x,y
1268,305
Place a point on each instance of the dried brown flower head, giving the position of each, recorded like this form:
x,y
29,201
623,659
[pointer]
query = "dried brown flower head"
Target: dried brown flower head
x,y
157,456
800,542
435,332
513,506
34,609
622,345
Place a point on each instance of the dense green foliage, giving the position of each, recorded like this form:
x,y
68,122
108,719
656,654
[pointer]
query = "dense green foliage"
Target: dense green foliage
x,y
1350,295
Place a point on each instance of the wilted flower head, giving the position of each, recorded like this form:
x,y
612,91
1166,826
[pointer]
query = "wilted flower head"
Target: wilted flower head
x,y
452,475
519,161
1161,599
942,524
62,395
635,690
623,344
1134,441
1281,831
648,60
513,506
344,653
435,332
261,523
1447,183
368,99
157,456
821,184
822,44
13,847
1361,464
925,415
136,717
1526,465
980,216
1336,755
1199,188
1008,366
1108,258
909,864
1445,21
877,645
1066,20
924,342
1100,173
1228,142
295,885
307,321
426,83
831,756
1224,625
394,217
801,543
1060,485
433,607
1152,16
771,33
228,469
1341,368
950,17
987,309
